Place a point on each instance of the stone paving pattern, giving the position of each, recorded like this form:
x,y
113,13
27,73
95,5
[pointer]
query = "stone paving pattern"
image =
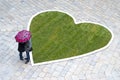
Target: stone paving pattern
x,y
102,65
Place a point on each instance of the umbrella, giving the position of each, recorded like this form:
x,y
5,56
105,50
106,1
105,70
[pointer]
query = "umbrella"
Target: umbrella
x,y
23,36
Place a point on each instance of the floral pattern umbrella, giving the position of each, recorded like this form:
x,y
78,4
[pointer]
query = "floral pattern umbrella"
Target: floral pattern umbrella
x,y
23,36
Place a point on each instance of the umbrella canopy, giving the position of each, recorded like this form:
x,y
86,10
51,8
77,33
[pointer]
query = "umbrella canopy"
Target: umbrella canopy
x,y
23,36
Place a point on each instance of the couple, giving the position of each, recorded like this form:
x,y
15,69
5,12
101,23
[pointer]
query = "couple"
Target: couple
x,y
24,44
27,47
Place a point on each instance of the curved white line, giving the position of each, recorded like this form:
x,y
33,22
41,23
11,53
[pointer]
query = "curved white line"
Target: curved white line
x,y
78,56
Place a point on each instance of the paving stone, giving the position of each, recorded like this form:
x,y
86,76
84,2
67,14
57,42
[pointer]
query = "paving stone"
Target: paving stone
x,y
68,76
46,78
53,78
42,74
56,74
40,78
48,75
61,78
63,73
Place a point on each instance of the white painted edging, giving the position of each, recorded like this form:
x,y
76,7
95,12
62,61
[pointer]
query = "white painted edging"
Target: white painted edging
x,y
31,57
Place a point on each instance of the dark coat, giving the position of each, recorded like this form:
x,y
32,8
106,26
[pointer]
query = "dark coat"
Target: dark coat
x,y
21,47
25,46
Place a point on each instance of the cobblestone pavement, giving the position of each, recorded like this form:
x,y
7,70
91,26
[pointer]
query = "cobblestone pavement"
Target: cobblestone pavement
x,y
102,65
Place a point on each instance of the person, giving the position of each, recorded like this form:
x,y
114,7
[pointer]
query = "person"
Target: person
x,y
27,47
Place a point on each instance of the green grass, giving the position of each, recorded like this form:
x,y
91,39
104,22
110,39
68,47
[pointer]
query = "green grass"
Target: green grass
x,y
56,36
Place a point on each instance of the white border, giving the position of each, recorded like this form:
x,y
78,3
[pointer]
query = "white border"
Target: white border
x,y
31,58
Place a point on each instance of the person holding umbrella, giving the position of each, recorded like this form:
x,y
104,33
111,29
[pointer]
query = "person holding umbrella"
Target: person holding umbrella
x,y
24,44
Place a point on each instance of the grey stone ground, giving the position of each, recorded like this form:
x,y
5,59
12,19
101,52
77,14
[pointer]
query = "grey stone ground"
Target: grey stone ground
x,y
102,65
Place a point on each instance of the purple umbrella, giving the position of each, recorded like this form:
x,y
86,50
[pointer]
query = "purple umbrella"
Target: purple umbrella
x,y
23,36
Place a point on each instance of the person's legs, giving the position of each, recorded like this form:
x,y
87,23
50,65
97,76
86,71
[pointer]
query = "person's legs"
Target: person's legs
x,y
28,57
21,57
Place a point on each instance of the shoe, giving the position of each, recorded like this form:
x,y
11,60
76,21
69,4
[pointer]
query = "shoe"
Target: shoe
x,y
26,62
21,59
25,58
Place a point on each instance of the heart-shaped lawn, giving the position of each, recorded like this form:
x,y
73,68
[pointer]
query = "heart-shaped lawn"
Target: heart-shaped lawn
x,y
55,36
